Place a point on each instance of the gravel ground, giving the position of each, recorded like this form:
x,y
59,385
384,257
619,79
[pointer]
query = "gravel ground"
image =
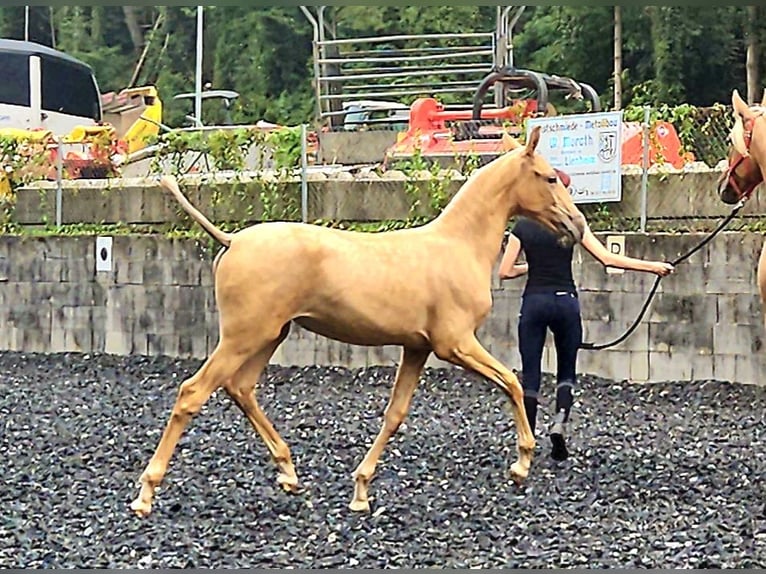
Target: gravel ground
x,y
663,476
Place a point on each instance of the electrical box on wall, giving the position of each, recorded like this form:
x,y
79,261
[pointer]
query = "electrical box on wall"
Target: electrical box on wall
x,y
615,244
103,254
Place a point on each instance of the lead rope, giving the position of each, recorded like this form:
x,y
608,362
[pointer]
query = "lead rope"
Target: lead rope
x,y
597,347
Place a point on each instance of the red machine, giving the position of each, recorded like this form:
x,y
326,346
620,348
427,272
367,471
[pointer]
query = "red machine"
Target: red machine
x,y
451,136
430,133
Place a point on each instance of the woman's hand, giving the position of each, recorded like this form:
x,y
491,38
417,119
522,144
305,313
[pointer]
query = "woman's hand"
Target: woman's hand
x,y
661,268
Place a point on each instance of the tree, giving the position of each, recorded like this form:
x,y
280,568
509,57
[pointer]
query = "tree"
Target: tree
x,y
265,54
569,41
134,28
657,54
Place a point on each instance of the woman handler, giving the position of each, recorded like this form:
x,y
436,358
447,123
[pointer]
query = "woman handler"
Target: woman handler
x,y
549,301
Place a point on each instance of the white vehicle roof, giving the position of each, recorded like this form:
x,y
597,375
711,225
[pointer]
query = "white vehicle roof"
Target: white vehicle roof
x,y
376,105
32,48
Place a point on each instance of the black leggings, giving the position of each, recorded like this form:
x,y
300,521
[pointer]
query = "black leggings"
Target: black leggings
x,y
559,312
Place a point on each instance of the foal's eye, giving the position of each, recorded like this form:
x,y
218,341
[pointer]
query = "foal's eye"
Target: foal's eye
x,y
552,179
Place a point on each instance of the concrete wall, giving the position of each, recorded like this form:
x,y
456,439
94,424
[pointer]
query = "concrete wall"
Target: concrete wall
x,y
158,299
339,196
355,147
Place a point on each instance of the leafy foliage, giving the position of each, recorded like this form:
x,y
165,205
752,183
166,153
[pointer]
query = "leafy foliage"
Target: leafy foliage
x,y
671,54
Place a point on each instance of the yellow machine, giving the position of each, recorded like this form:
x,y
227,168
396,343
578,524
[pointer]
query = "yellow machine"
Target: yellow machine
x,y
136,114
130,118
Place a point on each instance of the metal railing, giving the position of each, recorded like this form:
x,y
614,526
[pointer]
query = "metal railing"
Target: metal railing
x,y
403,67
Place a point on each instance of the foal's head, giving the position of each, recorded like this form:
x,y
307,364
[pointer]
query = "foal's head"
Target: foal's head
x,y
538,190
747,152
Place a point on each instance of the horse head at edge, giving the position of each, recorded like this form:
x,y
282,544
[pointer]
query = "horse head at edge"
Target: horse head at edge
x,y
747,151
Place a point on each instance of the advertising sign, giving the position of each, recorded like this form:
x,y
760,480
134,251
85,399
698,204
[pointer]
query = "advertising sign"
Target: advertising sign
x,y
587,147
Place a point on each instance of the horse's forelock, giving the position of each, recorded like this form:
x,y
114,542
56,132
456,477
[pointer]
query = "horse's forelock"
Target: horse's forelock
x,y
738,136
738,130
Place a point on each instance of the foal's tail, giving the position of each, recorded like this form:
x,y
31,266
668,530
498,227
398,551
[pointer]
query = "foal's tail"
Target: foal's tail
x,y
169,182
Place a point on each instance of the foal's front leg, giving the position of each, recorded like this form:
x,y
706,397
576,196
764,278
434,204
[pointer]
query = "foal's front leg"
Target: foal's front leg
x,y
407,377
471,355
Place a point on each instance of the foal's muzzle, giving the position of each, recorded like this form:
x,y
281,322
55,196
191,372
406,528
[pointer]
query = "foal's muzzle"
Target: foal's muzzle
x,y
726,193
731,187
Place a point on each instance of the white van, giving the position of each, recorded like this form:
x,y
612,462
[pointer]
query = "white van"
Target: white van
x,y
44,88
372,114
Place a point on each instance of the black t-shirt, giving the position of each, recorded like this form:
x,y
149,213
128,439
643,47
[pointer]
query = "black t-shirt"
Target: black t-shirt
x,y
550,264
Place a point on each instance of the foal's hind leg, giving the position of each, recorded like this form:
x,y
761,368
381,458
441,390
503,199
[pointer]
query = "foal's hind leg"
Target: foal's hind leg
x,y
192,395
407,377
470,354
241,388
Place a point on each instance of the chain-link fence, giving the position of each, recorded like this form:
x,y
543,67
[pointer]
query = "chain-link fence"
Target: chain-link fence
x,y
661,147
707,133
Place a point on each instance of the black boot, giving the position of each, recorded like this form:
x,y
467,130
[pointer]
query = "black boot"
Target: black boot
x,y
564,398
558,430
558,437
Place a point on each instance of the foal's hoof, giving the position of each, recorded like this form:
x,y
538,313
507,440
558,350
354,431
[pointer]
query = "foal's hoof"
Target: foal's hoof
x,y
141,508
289,483
518,473
359,505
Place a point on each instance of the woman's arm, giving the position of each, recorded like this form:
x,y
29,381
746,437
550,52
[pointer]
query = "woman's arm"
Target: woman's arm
x,y
609,259
508,267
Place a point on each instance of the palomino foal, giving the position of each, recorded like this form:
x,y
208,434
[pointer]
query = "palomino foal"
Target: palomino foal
x,y
426,289
747,165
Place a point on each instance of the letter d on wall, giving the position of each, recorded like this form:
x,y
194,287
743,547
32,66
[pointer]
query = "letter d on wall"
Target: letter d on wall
x,y
615,244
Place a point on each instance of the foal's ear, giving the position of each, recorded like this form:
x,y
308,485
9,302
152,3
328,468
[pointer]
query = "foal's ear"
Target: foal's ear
x,y
509,142
740,106
533,140
763,101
